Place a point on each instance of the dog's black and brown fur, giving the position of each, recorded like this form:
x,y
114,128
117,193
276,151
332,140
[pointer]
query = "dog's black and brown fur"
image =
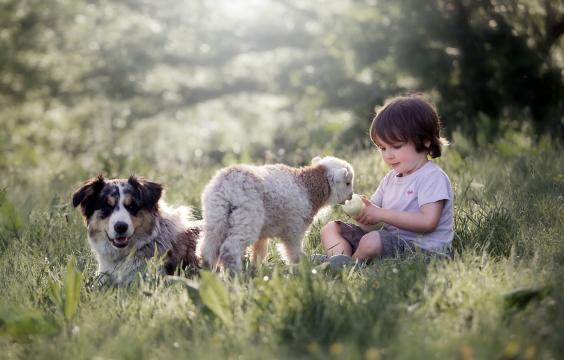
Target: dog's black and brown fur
x,y
128,222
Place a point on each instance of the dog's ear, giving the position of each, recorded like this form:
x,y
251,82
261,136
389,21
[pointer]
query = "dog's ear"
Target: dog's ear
x,y
150,191
85,196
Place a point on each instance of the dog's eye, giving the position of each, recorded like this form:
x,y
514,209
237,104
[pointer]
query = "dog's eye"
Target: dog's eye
x,y
132,207
106,209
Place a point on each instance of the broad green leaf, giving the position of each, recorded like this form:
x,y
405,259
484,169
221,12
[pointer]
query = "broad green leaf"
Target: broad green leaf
x,y
9,217
215,297
520,298
73,283
54,291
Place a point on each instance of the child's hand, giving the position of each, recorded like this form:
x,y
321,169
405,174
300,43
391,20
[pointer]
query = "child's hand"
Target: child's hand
x,y
369,213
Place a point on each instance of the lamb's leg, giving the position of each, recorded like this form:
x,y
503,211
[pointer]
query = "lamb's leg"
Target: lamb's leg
x,y
245,224
259,251
215,211
292,246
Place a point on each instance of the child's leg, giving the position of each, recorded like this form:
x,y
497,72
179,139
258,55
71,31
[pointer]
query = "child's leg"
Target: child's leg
x,y
333,242
370,246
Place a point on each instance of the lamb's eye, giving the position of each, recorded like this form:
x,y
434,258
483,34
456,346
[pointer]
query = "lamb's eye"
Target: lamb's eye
x,y
348,183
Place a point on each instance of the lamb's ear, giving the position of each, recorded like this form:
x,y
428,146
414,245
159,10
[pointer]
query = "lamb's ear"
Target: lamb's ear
x,y
342,173
150,191
85,196
338,175
315,160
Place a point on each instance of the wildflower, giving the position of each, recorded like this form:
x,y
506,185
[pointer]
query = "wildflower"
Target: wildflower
x,y
75,330
467,352
477,186
313,347
336,348
372,354
511,350
530,353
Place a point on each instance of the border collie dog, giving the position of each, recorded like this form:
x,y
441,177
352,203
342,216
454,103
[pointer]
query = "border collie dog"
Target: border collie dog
x,y
128,223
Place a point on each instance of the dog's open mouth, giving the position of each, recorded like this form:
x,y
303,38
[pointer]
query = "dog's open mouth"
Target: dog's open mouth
x,y
119,242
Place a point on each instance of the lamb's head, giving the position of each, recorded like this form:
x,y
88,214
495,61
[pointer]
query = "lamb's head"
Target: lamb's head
x,y
340,175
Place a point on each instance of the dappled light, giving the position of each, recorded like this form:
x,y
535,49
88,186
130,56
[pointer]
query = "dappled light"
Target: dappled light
x,y
83,75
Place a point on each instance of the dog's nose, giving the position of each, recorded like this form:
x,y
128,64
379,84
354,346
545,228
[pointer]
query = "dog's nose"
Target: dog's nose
x,y
120,227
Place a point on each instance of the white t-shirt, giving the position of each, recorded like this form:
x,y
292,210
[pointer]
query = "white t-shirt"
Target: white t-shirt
x,y
426,185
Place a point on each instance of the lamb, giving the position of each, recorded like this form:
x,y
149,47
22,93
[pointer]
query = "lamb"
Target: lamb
x,y
245,205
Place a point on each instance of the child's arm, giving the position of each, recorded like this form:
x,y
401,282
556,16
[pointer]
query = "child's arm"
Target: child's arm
x,y
424,221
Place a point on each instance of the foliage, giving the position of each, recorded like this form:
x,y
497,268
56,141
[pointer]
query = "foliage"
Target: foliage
x,y
97,81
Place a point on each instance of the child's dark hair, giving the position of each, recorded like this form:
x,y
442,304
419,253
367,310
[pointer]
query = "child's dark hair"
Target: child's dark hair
x,y
409,118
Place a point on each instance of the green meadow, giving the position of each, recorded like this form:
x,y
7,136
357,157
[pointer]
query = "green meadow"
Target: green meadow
x,y
500,297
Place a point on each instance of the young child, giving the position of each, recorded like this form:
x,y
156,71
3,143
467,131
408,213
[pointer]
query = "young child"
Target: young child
x,y
414,201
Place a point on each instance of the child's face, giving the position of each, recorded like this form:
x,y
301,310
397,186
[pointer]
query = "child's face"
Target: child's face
x,y
401,156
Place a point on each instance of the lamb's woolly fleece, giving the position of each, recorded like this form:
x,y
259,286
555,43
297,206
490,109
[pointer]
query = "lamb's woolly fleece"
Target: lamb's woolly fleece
x,y
245,205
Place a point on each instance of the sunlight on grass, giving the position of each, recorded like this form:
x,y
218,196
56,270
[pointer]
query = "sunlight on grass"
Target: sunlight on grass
x,y
499,297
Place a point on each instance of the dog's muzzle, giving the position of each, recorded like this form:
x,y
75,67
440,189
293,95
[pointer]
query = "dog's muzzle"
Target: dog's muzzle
x,y
119,242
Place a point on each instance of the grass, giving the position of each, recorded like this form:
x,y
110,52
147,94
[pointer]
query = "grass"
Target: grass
x,y
501,296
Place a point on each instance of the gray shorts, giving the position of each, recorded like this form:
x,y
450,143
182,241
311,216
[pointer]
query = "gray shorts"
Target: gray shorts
x,y
392,244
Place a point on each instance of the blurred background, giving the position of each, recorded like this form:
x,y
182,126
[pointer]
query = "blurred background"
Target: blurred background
x,y
172,90
148,86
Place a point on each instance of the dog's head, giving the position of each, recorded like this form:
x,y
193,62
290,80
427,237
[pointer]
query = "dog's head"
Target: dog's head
x,y
118,210
340,175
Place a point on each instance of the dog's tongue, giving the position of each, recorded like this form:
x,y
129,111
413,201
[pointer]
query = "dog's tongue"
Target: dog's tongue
x,y
120,242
